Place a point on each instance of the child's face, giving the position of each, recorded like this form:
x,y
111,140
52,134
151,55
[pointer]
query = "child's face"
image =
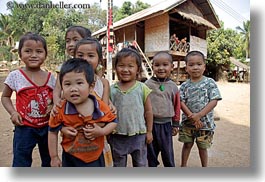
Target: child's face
x,y
76,88
33,53
195,67
127,69
89,53
162,66
71,39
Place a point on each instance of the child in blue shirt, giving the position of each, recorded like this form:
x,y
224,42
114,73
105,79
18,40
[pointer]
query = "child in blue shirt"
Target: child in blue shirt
x,y
199,96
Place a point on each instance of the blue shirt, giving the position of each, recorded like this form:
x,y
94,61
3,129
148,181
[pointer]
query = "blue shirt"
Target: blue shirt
x,y
196,95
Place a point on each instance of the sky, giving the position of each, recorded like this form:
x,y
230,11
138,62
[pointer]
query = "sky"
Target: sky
x,y
231,12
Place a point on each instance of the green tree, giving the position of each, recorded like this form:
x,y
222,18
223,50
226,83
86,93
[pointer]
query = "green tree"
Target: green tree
x,y
139,6
124,11
221,45
54,31
5,30
6,38
49,22
245,32
54,36
26,17
94,18
128,9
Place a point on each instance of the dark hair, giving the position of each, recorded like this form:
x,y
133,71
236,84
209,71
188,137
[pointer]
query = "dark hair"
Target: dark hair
x,y
194,53
77,65
31,36
82,31
125,52
163,53
89,40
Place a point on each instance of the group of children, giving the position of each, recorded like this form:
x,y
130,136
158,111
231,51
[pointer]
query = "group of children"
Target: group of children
x,y
134,118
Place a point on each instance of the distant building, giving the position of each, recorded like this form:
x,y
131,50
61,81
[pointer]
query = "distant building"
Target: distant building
x,y
151,29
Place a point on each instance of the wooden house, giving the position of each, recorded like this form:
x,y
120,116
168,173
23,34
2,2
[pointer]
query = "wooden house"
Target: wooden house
x,y
152,29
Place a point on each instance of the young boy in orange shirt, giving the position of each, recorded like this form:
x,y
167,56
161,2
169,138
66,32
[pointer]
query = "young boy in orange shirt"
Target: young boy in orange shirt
x,y
91,118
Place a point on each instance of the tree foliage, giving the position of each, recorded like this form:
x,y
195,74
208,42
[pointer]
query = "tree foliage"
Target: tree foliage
x,y
245,32
49,22
94,18
6,37
223,44
128,9
28,19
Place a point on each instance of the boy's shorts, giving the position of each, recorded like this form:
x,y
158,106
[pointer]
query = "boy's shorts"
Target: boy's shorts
x,y
203,138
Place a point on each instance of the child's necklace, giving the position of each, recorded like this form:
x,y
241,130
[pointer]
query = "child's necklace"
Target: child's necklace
x,y
161,85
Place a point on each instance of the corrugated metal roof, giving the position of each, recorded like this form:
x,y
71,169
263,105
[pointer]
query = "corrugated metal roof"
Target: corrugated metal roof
x,y
157,9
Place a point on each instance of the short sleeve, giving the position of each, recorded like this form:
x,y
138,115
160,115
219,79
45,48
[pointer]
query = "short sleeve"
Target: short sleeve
x,y
56,122
10,79
52,81
146,91
214,93
182,91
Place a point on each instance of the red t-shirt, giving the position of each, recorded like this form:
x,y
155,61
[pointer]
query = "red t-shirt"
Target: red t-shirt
x,y
33,102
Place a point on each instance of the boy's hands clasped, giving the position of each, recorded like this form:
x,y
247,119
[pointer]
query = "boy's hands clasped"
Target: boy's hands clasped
x,y
196,118
91,131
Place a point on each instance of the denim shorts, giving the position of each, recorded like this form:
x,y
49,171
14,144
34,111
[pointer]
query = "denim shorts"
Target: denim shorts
x,y
203,138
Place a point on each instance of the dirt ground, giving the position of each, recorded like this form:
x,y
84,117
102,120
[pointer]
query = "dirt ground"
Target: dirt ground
x,y
231,147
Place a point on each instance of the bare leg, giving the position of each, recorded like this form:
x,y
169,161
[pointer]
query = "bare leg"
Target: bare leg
x,y
186,148
203,156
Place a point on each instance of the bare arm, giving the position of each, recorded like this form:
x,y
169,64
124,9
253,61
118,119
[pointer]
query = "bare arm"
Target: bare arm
x,y
210,106
56,97
8,105
6,99
106,90
93,131
106,95
197,116
108,128
148,113
57,92
53,149
185,109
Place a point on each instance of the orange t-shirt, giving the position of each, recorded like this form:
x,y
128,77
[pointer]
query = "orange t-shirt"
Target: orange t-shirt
x,y
80,147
